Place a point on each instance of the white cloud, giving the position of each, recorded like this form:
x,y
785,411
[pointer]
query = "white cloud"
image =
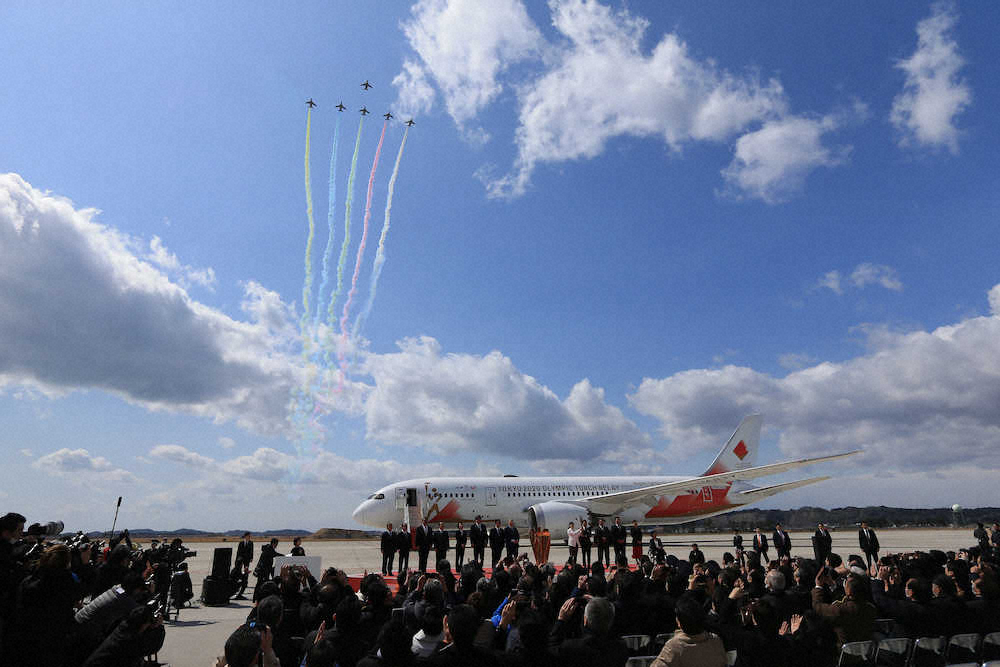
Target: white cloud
x,y
864,274
994,298
918,400
876,274
601,78
185,275
226,443
463,46
179,454
79,462
27,453
831,281
934,92
82,311
265,464
771,163
795,360
462,402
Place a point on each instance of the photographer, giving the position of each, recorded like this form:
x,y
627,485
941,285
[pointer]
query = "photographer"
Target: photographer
x,y
250,644
11,528
139,635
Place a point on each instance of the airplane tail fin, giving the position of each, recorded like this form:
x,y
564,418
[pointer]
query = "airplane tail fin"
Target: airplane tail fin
x,y
741,450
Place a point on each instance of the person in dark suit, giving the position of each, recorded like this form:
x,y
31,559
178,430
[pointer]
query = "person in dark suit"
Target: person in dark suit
x,y
244,557
586,542
619,536
760,544
696,556
602,535
388,547
512,539
403,538
478,535
425,540
297,549
738,545
782,542
265,565
822,543
460,538
496,543
868,542
656,551
441,544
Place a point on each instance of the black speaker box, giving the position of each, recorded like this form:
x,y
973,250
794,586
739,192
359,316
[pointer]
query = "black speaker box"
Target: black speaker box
x,y
215,592
222,562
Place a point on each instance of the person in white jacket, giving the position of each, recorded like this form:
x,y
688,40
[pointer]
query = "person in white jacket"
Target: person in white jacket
x,y
573,539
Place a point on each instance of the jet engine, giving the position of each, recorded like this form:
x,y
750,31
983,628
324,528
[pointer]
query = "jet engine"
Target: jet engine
x,y
555,516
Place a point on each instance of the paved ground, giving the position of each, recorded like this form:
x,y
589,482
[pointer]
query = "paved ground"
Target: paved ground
x,y
200,634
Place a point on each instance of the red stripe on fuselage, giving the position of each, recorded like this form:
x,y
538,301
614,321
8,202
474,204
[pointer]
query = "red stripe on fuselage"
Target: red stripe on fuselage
x,y
690,503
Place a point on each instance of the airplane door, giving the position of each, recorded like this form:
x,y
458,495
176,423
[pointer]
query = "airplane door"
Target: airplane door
x,y
400,499
411,497
491,496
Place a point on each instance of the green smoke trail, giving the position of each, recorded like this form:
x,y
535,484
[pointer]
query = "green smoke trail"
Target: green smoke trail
x,y
328,253
307,286
380,253
331,310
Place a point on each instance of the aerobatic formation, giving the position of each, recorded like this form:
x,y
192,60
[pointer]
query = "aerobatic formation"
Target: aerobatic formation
x,y
329,343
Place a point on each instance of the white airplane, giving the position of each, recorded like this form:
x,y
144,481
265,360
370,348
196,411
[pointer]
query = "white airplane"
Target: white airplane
x,y
550,503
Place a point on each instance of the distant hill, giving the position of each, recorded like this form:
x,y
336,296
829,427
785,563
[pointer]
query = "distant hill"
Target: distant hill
x,y
343,534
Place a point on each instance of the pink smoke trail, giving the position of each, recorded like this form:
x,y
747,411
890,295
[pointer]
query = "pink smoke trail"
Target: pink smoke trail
x,y
361,249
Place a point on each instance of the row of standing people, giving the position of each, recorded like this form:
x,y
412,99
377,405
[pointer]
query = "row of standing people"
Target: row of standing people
x,y
822,543
425,539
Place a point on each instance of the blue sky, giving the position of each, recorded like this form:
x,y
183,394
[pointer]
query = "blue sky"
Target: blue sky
x,y
616,230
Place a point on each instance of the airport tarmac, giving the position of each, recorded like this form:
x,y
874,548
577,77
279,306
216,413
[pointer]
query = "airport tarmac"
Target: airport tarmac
x,y
200,634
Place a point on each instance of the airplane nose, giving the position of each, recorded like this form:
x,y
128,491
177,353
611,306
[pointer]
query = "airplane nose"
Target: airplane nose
x,y
359,513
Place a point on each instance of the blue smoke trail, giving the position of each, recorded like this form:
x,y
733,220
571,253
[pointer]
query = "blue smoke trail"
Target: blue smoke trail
x,y
380,253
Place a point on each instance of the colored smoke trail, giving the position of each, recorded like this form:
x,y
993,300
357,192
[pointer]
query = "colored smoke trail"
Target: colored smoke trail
x,y
307,286
331,312
364,239
328,253
380,253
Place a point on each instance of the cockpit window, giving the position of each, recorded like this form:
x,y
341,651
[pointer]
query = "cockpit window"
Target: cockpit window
x,y
379,496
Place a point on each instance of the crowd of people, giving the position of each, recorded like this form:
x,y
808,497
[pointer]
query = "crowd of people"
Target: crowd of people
x,y
789,609
67,602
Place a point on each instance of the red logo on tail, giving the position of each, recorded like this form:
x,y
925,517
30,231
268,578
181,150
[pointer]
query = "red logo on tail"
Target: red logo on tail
x,y
740,450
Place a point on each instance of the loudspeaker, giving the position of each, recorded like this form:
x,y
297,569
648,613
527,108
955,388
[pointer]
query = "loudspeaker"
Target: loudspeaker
x,y
222,562
215,592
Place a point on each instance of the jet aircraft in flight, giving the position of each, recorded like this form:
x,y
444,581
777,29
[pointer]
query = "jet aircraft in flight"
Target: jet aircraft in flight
x,y
364,111
387,115
310,103
410,123
366,85
340,107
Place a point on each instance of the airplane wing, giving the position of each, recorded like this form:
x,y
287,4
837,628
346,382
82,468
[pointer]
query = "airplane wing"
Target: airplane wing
x,y
613,503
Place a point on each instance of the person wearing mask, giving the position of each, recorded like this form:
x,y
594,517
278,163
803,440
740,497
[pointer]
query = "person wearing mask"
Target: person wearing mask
x,y
297,549
822,543
602,535
738,545
696,556
618,537
425,540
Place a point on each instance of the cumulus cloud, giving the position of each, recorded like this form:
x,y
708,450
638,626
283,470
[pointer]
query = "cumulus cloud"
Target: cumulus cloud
x,y
179,454
264,464
226,442
912,393
82,311
668,93
831,281
934,93
463,402
772,162
80,462
184,274
463,48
